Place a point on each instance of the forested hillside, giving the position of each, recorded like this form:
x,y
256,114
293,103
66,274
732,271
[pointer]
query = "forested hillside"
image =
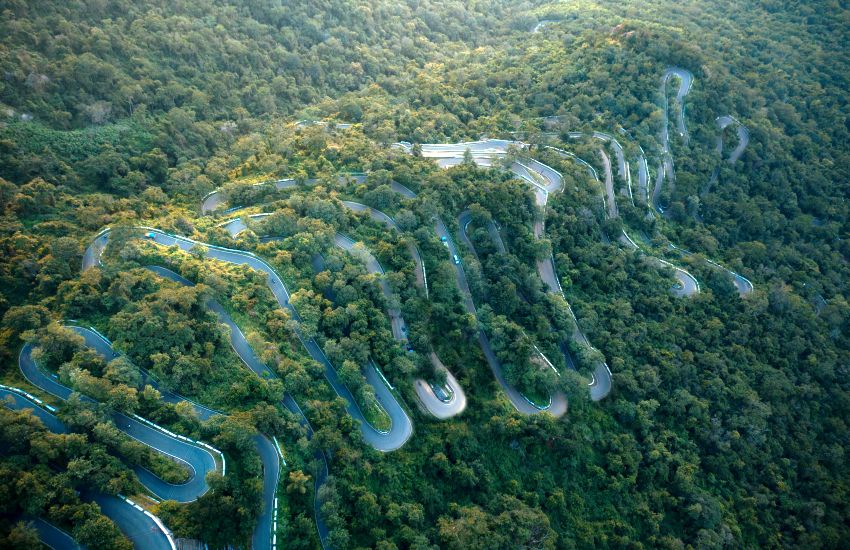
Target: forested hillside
x,y
254,296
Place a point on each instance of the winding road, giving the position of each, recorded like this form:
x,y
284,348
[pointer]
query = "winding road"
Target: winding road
x,y
264,535
53,537
265,532
686,79
545,180
557,405
441,401
377,215
214,200
196,457
520,402
402,427
742,284
743,137
643,179
687,283
144,530
613,212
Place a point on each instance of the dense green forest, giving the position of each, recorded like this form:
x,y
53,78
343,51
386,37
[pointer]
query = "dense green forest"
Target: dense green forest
x,y
726,425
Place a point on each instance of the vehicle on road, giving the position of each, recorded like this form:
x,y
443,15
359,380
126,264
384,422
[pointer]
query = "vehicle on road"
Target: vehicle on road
x,y
456,259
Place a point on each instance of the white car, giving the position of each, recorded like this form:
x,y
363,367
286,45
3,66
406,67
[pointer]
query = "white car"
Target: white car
x,y
456,259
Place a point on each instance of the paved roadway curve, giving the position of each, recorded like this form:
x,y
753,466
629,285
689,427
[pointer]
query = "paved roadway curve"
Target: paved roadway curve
x,y
742,284
439,406
519,401
540,24
53,537
451,400
686,79
377,215
613,212
198,459
665,166
264,532
265,448
216,199
144,530
666,170
545,180
601,379
687,284
557,405
743,137
643,179
373,266
402,427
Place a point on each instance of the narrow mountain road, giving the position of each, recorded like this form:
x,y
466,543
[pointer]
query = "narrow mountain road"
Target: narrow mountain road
x,y
402,427
743,137
557,405
441,402
264,532
199,460
643,179
544,180
613,212
377,215
373,266
213,201
685,81
53,537
144,530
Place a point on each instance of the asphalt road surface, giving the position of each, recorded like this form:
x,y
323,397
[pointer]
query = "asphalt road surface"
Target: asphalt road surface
x,y
454,400
399,330
643,178
544,180
449,403
53,537
687,284
142,530
359,250
685,81
743,137
402,427
268,454
263,534
558,402
609,185
377,215
441,402
198,460
215,200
